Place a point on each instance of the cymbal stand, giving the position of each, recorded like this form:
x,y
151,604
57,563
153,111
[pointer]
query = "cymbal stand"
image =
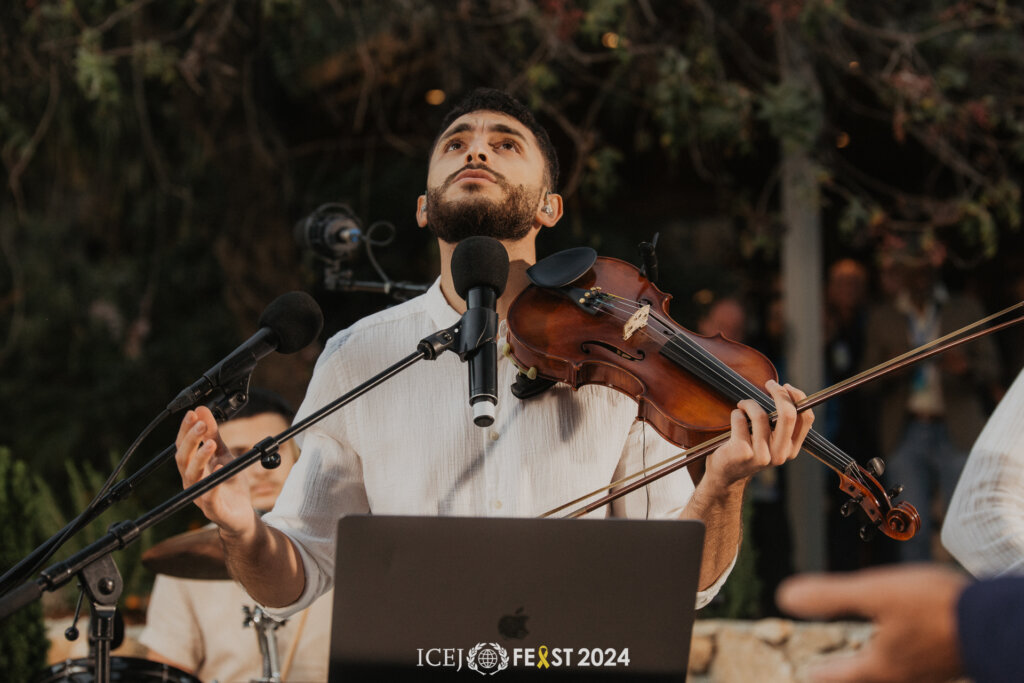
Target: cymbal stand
x,y
265,627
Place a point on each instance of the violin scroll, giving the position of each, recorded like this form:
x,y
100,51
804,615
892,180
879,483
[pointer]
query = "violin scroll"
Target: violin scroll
x,y
899,522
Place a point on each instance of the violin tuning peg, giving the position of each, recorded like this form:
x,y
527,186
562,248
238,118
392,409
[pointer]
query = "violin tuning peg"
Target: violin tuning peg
x,y
895,491
847,508
876,466
867,532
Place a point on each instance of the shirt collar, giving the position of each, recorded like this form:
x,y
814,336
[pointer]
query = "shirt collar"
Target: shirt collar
x,y
442,313
438,308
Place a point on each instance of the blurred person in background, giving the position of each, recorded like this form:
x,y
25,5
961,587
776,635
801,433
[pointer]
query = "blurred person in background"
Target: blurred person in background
x,y
770,534
850,419
931,413
198,625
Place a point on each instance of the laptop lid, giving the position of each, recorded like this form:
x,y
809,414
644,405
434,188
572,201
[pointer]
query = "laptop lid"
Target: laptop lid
x,y
448,598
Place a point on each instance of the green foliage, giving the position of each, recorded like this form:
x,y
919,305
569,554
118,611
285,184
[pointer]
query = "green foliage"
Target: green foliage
x,y
673,98
157,61
793,113
94,72
854,218
542,78
55,510
23,642
600,177
600,17
1003,199
978,228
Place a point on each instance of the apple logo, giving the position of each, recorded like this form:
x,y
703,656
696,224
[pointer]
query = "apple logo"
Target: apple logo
x,y
513,625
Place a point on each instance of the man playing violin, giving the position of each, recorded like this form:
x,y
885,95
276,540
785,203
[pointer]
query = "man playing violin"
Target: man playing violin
x,y
410,446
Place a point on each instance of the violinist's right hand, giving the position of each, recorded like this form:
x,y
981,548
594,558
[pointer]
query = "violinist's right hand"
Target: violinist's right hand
x,y
201,452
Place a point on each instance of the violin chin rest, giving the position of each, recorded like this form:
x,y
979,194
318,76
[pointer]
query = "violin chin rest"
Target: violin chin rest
x,y
524,388
562,268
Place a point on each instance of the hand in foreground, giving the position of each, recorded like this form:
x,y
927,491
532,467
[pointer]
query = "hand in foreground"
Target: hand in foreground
x,y
756,446
201,452
913,608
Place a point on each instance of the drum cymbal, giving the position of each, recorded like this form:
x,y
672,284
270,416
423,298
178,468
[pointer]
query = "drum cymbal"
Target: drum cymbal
x,y
194,554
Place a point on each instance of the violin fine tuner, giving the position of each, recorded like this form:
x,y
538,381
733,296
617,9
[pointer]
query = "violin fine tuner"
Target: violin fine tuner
x,y
589,294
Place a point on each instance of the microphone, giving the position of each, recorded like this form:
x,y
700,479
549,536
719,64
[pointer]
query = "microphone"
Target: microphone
x,y
288,324
332,232
479,273
650,258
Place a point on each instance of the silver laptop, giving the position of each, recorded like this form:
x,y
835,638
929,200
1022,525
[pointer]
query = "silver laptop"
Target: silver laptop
x,y
450,598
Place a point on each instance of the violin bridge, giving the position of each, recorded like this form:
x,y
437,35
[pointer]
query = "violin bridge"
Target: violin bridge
x,y
637,321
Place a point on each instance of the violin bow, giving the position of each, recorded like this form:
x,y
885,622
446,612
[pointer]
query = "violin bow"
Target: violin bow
x,y
667,466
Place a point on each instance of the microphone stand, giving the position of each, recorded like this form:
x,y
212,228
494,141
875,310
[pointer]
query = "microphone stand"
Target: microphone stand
x,y
229,399
94,566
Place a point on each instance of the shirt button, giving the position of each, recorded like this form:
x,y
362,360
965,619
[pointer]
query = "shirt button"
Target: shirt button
x,y
497,505
493,435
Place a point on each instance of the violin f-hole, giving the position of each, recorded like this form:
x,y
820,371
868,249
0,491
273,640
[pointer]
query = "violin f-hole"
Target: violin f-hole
x,y
640,355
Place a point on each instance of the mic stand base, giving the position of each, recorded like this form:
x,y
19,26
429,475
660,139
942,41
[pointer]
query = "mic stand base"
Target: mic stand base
x,y
102,583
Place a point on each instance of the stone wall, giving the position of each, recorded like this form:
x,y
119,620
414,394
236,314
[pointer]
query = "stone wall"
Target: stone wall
x,y
769,650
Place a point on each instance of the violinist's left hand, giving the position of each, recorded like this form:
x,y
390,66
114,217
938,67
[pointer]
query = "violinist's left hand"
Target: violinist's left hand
x,y
718,499
753,448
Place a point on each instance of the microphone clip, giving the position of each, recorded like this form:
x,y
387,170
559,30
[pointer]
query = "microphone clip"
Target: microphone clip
x,y
649,258
230,398
478,326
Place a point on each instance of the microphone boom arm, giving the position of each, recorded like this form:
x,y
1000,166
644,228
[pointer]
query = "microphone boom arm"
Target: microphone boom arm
x,y
124,533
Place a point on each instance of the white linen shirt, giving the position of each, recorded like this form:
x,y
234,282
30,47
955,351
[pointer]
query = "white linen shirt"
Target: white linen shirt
x,y
984,527
409,446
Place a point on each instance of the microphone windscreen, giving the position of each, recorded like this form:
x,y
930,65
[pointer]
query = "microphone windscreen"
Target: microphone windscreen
x,y
479,262
296,319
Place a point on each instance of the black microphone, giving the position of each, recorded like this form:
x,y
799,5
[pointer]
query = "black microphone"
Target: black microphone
x,y
479,273
332,232
288,324
650,258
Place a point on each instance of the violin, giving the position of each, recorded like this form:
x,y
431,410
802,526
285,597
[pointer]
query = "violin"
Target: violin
x,y
598,320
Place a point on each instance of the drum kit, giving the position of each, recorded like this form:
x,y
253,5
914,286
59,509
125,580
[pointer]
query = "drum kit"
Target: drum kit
x,y
192,555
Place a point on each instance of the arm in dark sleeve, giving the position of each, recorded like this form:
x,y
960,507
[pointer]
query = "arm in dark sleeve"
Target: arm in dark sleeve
x,y
990,620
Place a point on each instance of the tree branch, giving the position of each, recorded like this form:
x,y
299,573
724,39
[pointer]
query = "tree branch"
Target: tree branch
x,y
16,170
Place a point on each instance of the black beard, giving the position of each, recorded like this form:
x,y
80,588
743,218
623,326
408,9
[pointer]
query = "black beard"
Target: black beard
x,y
508,220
